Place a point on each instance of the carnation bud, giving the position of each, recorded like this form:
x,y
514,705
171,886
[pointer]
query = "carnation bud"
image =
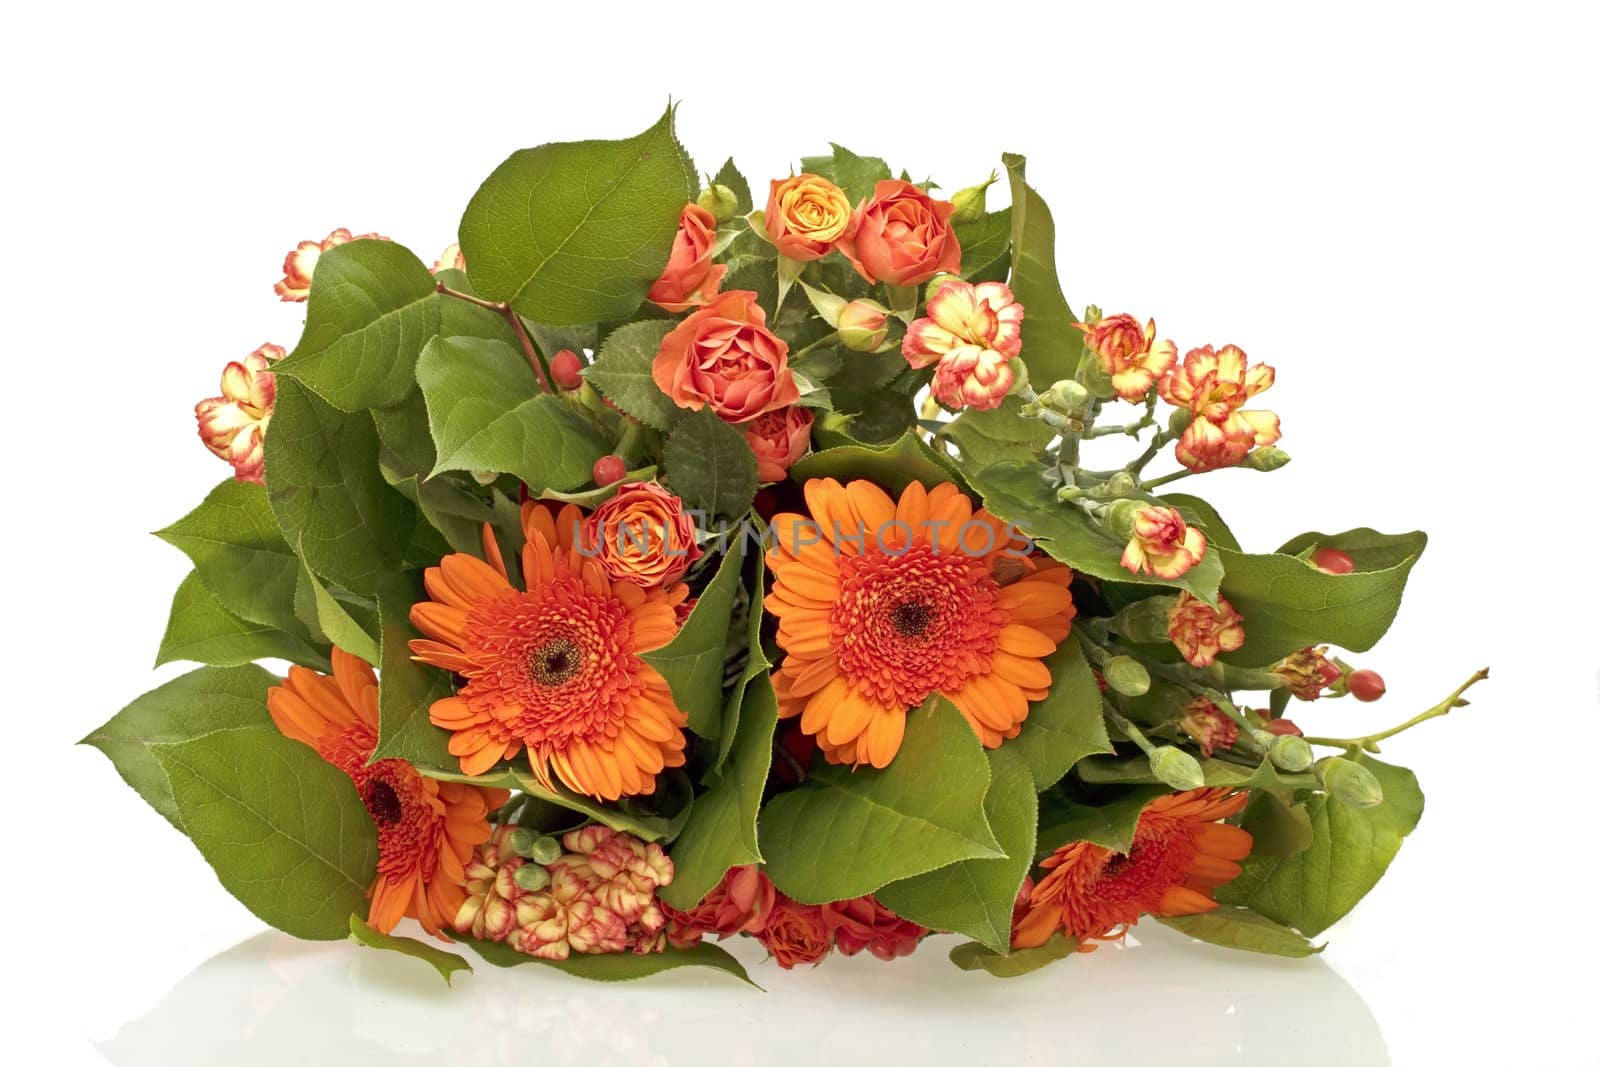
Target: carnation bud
x,y
1176,768
567,369
521,841
720,201
1179,422
936,283
1119,516
970,202
545,850
531,877
863,325
1332,561
1066,397
1121,484
1291,753
1349,782
1145,621
1092,314
1365,686
608,469
1267,458
1126,675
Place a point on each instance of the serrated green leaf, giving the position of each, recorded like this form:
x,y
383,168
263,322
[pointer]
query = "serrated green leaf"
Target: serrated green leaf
x,y
973,956
1244,929
372,307
463,318
403,432
1350,849
986,247
487,412
1278,827
620,966
445,963
407,689
997,436
857,175
1050,345
622,373
207,699
335,621
721,831
1109,825
845,833
1068,724
709,464
729,176
327,492
976,897
576,233
891,467
692,661
202,631
283,829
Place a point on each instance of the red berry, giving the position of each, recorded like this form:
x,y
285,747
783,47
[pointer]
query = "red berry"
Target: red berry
x,y
1332,561
567,369
608,469
1365,685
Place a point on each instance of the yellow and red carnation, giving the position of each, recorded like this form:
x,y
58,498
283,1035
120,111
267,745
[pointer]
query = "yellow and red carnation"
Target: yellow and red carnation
x,y
1308,672
1130,353
972,332
1200,631
1180,854
724,357
1207,724
863,923
1214,386
806,214
779,438
882,603
301,263
234,425
641,535
553,667
690,278
901,236
972,377
450,259
795,933
427,829
1162,544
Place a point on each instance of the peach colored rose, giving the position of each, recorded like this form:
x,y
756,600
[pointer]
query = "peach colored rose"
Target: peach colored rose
x,y
234,425
863,923
690,278
901,236
740,903
1162,544
779,438
724,357
1201,631
805,215
301,263
795,933
1214,386
641,535
1129,353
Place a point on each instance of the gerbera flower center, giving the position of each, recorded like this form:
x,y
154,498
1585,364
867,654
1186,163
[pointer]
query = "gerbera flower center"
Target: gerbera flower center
x,y
556,662
383,803
911,619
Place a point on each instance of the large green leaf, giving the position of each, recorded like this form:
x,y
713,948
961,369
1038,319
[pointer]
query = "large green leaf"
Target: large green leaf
x,y
1016,492
487,412
986,247
240,555
891,467
207,699
1350,849
373,305
446,963
692,661
1050,346
709,464
976,897
1066,725
1288,604
845,833
973,956
620,966
577,232
998,436
622,372
202,631
328,494
407,689
721,831
1244,929
283,829
335,620
856,175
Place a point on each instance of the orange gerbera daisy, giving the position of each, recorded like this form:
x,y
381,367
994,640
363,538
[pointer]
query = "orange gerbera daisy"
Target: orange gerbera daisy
x,y
554,666
1180,854
427,829
882,603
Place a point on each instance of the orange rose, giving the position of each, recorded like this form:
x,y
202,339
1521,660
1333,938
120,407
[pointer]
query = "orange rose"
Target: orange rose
x,y
779,438
724,357
806,215
901,236
690,278
642,536
795,933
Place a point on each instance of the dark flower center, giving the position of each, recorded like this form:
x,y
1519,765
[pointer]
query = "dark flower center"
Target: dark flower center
x,y
556,662
910,619
383,803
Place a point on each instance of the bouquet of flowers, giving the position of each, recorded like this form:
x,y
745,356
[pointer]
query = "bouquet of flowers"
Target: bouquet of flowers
x,y
663,565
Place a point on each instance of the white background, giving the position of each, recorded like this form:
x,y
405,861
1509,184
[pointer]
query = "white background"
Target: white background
x,y
1393,204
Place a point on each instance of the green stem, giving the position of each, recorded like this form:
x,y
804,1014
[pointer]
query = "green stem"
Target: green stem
x,y
1165,478
1369,742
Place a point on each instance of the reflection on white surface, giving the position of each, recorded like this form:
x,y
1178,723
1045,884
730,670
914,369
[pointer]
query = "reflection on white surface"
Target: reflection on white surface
x,y
273,1000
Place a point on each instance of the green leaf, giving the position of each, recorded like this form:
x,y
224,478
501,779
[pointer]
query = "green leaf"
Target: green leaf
x,y
721,831
201,630
240,555
1135,770
1244,929
487,412
973,956
729,176
857,175
446,963
1016,493
1109,825
892,467
372,307
593,498
986,247
283,829
328,494
639,816
1350,849
207,699
709,464
1050,345
1066,725
1288,604
1198,512
406,688
845,833
620,966
692,661
335,621
755,664
1278,826
577,232
403,432
976,897
997,436
622,373
463,318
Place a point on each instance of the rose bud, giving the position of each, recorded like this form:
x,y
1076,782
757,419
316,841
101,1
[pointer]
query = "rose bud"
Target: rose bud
x,y
1332,561
720,201
863,325
1365,686
608,469
690,278
567,369
779,438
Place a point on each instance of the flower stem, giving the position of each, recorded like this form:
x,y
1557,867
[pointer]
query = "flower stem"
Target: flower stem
x,y
510,315
1369,743
1165,478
